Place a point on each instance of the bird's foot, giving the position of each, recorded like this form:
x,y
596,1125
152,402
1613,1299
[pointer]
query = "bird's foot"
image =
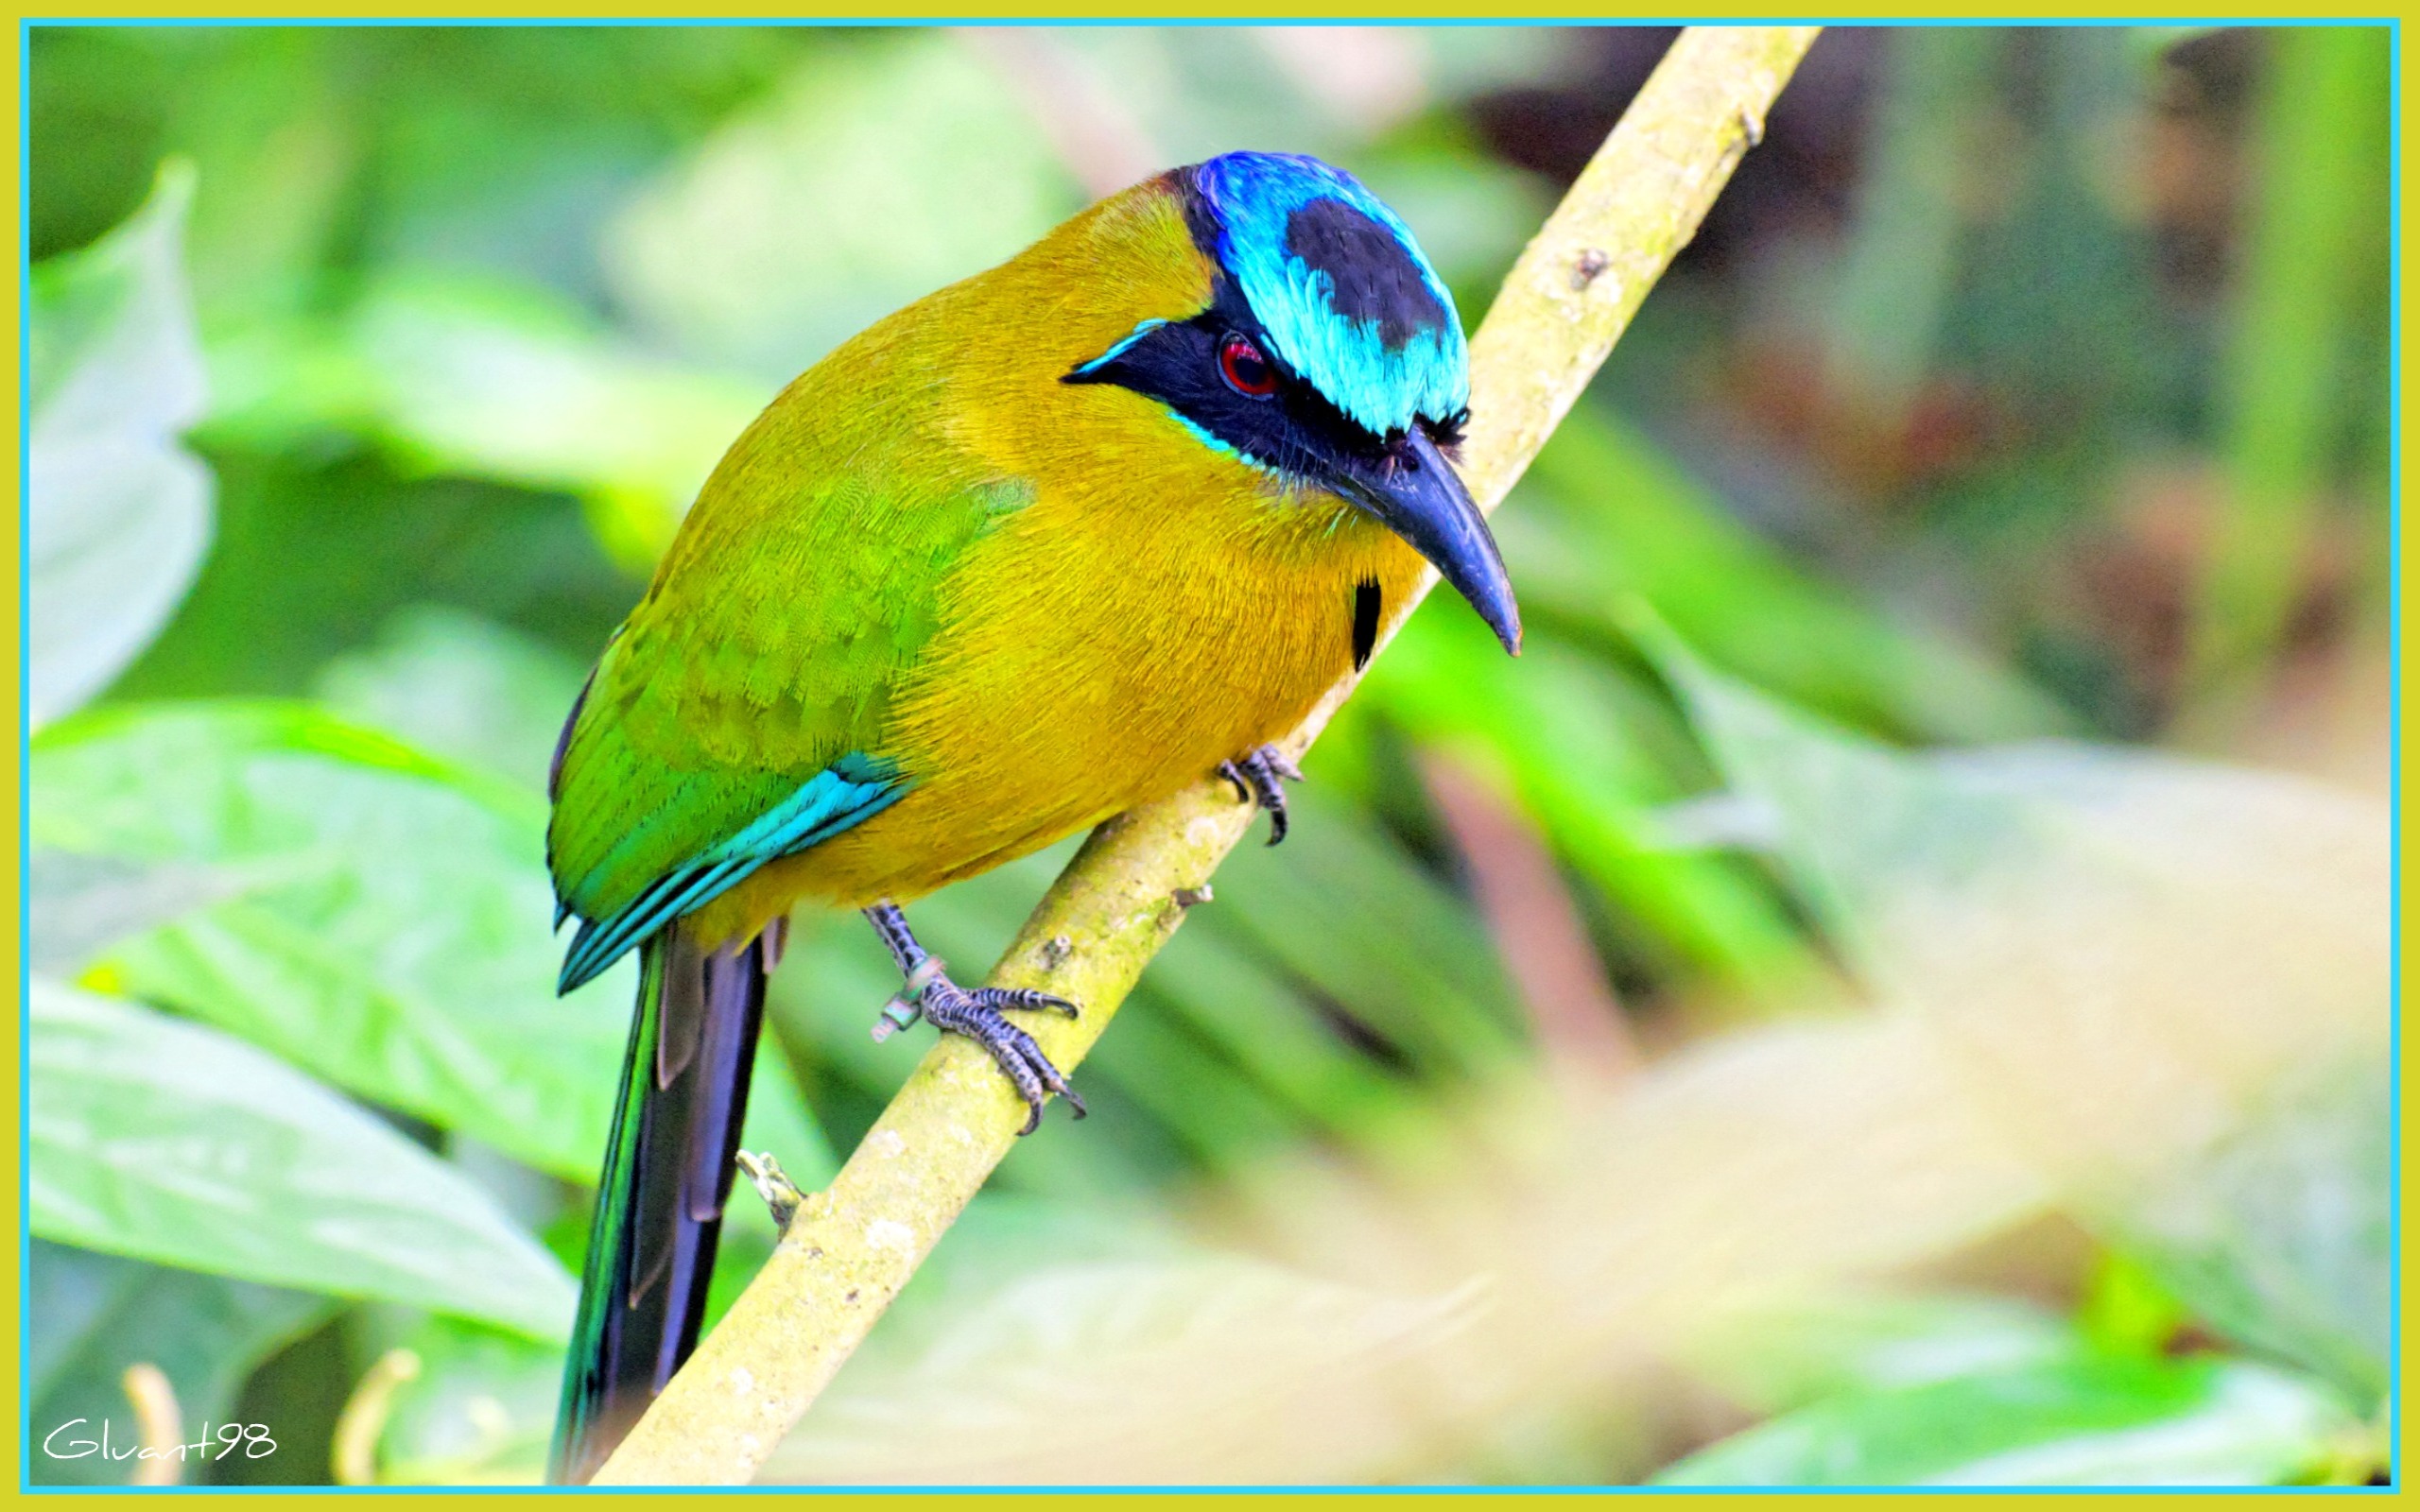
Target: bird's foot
x,y
1260,778
976,1014
932,996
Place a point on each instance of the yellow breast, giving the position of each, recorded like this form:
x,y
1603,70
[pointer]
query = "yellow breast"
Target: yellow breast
x,y
1097,656
1158,607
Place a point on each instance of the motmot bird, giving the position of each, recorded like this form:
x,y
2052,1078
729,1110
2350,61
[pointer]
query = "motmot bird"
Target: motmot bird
x,y
1052,543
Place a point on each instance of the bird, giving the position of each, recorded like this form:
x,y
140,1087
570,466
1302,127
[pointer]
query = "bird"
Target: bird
x,y
1054,541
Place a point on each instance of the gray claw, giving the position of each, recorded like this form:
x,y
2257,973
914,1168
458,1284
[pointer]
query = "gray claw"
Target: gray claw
x,y
1025,997
930,994
1260,778
976,1015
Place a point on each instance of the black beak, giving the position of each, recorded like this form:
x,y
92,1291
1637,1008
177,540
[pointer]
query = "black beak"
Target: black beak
x,y
1421,499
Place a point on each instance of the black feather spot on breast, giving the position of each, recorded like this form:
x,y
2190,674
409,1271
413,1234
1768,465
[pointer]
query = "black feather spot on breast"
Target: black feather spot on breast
x,y
1367,602
1370,275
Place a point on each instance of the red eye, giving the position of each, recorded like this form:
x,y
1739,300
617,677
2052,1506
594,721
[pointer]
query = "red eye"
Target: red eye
x,y
1246,371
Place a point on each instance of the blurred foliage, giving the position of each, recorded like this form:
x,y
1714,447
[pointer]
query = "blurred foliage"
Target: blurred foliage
x,y
1741,1209
117,510
2028,384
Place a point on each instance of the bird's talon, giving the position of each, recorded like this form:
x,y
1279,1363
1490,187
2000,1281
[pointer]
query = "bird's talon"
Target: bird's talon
x,y
976,1014
1261,778
1227,771
1026,998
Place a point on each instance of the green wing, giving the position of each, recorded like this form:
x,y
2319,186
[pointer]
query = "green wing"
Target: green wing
x,y
741,712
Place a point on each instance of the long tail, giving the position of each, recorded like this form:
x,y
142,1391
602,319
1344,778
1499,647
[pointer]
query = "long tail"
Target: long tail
x,y
660,1201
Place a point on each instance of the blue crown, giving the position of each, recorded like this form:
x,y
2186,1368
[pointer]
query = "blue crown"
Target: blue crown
x,y
1339,286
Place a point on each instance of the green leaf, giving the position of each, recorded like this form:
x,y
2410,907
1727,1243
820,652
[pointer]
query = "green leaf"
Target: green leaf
x,y
2311,276
2077,1422
79,903
170,1141
506,381
482,1409
1219,1115
886,167
1196,92
1572,740
1605,516
1092,1341
2124,1309
460,686
2232,924
2170,979
2281,1235
117,513
95,1314
258,623
1894,285
1244,1009
481,1412
1344,909
2150,45
482,376
408,960
1784,1355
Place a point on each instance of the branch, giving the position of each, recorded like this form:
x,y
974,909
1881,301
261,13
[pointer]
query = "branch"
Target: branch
x,y
849,1251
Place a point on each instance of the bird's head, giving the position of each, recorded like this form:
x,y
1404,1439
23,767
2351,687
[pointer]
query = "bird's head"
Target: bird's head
x,y
1328,354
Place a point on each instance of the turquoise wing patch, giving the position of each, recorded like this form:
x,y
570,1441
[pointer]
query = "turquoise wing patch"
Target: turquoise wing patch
x,y
850,791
